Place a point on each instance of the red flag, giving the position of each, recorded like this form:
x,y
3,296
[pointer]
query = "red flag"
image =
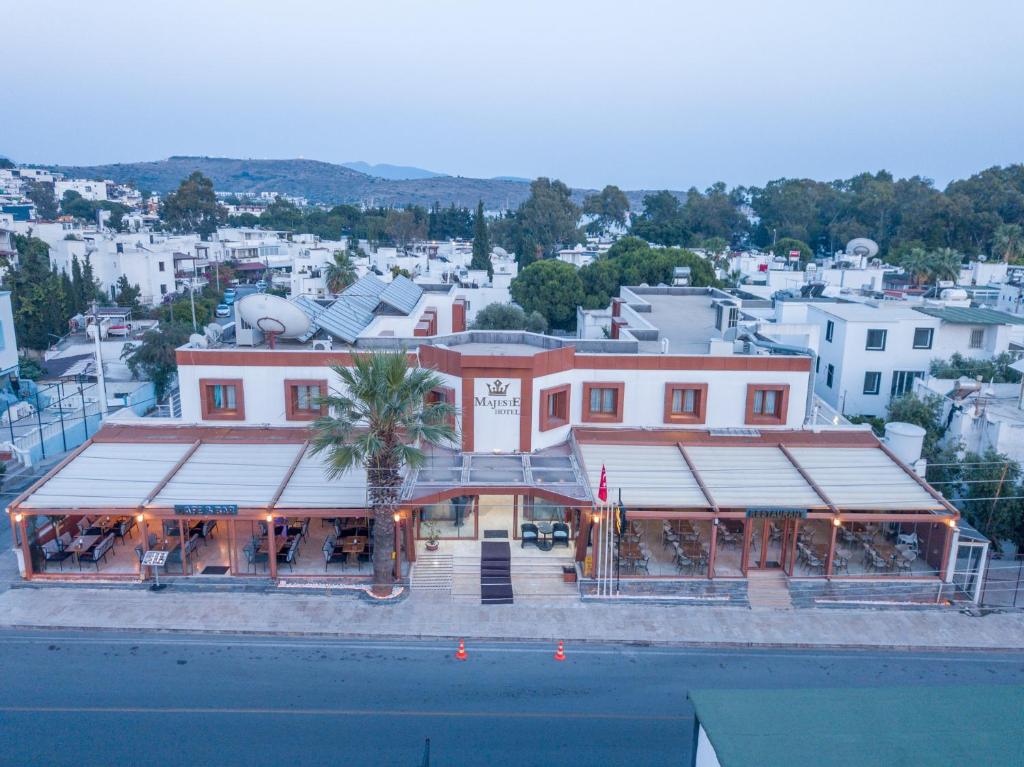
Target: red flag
x,y
602,490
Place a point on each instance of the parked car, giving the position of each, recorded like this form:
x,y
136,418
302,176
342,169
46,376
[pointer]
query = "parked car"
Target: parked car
x,y
261,286
229,296
223,310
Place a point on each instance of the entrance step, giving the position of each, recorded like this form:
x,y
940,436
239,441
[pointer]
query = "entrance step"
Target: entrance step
x,y
768,590
495,573
432,572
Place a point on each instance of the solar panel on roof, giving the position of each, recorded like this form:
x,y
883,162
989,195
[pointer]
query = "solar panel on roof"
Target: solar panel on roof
x,y
401,295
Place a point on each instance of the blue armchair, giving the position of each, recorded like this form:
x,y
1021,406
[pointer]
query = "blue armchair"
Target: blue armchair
x,y
530,534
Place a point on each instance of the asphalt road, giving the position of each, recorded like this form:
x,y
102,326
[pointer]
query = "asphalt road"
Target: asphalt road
x,y
118,699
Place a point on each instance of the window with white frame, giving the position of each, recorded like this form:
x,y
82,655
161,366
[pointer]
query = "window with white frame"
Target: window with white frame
x,y
830,328
903,381
872,382
876,340
923,338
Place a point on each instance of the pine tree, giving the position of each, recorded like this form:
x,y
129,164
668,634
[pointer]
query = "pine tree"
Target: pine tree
x,y
78,294
481,243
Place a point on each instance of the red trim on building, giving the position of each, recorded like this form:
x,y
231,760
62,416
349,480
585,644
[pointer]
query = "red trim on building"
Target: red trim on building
x,y
699,415
564,412
291,409
212,413
781,405
602,417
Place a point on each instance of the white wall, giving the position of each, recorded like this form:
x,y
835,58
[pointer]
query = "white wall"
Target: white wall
x,y
9,350
847,353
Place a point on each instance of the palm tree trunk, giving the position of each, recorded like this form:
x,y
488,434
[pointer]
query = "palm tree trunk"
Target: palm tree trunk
x,y
385,484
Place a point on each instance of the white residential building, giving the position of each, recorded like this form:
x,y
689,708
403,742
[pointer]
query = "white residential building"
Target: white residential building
x,y
90,190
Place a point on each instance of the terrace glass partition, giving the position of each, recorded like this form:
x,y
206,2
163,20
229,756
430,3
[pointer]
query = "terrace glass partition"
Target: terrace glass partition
x,y
729,548
83,543
452,518
883,549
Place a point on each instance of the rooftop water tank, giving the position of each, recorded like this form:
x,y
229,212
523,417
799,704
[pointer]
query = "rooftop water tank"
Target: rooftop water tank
x,y
905,440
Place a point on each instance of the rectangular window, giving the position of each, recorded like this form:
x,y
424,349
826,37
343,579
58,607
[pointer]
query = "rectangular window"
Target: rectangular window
x,y
301,399
222,400
685,403
817,364
923,338
554,407
767,403
161,265
830,374
603,402
876,340
977,338
903,381
163,290
830,329
872,382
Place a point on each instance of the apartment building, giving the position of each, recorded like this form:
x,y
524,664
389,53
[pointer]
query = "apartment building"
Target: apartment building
x,y
870,353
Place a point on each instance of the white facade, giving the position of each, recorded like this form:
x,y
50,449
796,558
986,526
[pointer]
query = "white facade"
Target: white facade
x,y
845,360
90,190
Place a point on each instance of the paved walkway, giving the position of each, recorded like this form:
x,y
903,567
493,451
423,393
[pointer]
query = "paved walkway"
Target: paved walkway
x,y
430,617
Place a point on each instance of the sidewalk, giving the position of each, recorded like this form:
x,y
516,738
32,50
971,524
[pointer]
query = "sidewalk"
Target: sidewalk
x,y
430,617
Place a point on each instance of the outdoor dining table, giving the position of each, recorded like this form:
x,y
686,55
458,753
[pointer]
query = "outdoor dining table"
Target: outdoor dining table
x,y
353,547
281,541
82,543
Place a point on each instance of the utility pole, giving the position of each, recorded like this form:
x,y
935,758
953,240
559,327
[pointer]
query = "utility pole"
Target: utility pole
x,y
192,296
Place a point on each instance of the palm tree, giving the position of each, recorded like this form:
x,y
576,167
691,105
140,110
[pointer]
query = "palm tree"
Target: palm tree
x,y
917,264
339,274
380,422
1008,241
944,264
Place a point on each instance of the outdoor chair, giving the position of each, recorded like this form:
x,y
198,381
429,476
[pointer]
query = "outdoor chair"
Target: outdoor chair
x,y
840,563
813,563
684,563
560,534
332,553
123,529
642,564
300,529
52,552
288,557
98,552
254,558
530,534
206,531
139,552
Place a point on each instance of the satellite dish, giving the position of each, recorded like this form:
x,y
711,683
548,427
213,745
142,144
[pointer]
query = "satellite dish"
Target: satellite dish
x,y
982,259
197,341
274,315
214,332
862,246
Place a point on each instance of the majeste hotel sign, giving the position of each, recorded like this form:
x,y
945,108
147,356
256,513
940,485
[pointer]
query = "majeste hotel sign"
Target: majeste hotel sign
x,y
496,407
498,397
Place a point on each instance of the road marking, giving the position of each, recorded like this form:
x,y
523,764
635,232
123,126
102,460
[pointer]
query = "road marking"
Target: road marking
x,y
433,713
433,645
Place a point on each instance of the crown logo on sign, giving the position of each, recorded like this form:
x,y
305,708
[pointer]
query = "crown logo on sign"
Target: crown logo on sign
x,y
497,389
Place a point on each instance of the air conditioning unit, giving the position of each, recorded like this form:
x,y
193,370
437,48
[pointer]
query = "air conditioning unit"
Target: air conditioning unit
x,y
323,345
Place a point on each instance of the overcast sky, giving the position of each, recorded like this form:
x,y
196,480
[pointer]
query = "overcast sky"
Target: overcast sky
x,y
642,94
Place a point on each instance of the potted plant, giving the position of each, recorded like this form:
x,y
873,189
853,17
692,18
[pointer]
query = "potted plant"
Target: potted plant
x,y
569,573
433,537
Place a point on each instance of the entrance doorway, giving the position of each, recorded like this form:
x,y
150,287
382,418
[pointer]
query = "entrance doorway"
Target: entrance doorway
x,y
770,544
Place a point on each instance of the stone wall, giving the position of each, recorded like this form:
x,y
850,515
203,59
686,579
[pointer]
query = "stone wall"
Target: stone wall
x,y
722,592
818,592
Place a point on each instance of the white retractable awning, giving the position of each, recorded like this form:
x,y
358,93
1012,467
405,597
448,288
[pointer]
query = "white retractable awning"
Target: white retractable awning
x,y
309,487
863,478
647,475
743,477
243,474
107,475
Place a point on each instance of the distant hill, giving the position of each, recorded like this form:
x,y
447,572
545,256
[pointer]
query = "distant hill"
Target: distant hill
x,y
320,182
391,172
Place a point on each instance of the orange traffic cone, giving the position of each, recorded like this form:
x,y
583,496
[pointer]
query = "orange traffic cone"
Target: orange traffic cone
x,y
560,652
461,654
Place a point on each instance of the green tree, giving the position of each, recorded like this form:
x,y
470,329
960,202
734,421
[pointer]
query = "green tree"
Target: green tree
x,y
481,243
37,296
380,421
609,207
924,412
192,207
127,295
640,264
339,273
154,358
786,245
283,215
553,289
1008,242
990,496
992,370
509,317
29,368
41,194
546,221
6,164
601,280
662,221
